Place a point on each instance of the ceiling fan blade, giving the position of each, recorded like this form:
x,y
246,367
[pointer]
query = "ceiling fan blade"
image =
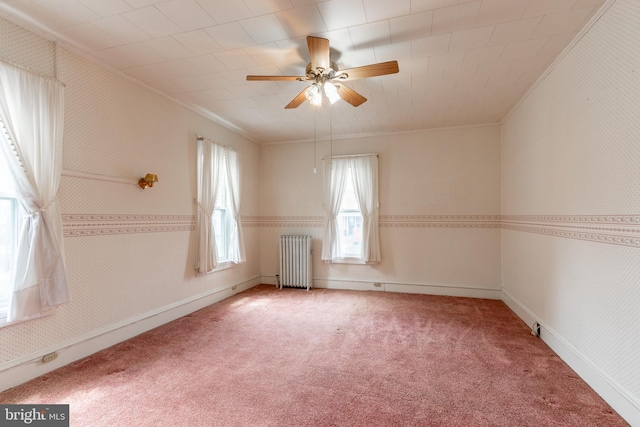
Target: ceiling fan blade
x,y
276,78
320,52
351,96
373,70
298,100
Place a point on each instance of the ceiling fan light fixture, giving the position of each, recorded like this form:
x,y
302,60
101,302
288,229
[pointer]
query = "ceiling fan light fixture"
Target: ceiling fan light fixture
x,y
332,92
314,95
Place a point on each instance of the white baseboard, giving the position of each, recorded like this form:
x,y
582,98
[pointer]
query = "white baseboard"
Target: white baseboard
x,y
19,371
615,394
409,288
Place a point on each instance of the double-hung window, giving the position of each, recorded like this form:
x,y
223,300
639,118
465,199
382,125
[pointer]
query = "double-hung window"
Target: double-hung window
x,y
350,220
351,209
221,216
219,225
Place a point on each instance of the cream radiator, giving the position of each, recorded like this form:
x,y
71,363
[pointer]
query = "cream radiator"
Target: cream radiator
x,y
296,262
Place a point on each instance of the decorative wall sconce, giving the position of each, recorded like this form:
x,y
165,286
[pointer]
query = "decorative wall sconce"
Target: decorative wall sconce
x,y
148,180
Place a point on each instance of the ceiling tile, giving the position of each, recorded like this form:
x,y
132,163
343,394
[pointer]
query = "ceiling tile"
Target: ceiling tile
x,y
340,41
474,57
377,10
514,31
523,48
588,3
470,39
264,29
207,64
226,11
394,51
357,58
556,44
369,35
497,11
73,12
46,19
217,80
107,7
235,59
266,54
168,47
562,23
545,7
186,13
455,18
342,13
90,37
428,46
190,84
138,4
198,42
422,5
411,26
154,23
261,7
121,29
303,21
130,55
230,36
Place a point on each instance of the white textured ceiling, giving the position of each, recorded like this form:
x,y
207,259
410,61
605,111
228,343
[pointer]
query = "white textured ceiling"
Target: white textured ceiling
x,y
461,62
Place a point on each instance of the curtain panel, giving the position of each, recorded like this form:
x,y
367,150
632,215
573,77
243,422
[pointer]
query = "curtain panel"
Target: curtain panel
x,y
236,239
335,175
32,117
209,158
365,177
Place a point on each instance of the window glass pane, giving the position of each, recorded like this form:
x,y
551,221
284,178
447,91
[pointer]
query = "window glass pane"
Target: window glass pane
x,y
219,221
350,221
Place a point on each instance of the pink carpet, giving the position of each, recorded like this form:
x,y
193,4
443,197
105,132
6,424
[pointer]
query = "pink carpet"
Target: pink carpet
x,y
270,357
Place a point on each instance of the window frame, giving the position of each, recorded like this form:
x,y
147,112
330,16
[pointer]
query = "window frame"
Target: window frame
x,y
345,212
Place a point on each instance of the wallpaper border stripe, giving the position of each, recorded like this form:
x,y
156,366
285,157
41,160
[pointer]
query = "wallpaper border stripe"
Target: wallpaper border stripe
x,y
622,230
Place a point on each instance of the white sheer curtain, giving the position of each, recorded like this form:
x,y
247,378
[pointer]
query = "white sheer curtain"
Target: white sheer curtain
x,y
32,114
209,158
236,240
365,179
335,174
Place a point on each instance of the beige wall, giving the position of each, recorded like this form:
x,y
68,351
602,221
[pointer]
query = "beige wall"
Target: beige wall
x,y
571,206
439,207
129,252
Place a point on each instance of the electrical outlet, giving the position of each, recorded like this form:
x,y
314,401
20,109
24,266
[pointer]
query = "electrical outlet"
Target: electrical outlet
x,y
49,357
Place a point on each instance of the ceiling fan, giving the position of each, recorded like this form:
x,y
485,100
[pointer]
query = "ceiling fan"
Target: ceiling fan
x,y
326,77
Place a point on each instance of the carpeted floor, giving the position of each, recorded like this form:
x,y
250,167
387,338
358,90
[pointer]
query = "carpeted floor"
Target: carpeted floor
x,y
288,357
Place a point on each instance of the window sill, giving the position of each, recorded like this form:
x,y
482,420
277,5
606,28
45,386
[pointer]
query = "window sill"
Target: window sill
x,y
222,266
356,261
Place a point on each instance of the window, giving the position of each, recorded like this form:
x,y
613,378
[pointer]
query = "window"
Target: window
x,y
9,222
351,209
350,220
219,224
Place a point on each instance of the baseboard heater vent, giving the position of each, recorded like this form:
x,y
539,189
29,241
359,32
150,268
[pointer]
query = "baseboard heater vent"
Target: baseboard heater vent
x,y
296,262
